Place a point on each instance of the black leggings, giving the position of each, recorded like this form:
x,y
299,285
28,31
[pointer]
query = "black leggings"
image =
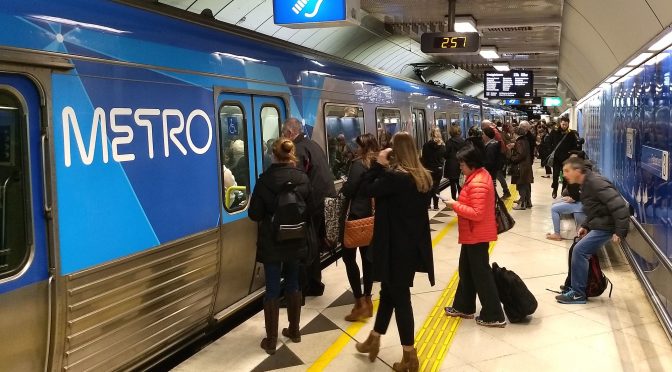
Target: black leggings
x,y
476,278
557,171
436,181
398,299
351,267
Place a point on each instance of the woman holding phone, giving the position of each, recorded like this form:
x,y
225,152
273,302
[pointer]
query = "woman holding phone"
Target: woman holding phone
x,y
401,244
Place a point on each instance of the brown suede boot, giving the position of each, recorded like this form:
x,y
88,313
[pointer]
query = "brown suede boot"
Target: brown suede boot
x,y
358,311
370,346
271,312
369,306
409,362
294,316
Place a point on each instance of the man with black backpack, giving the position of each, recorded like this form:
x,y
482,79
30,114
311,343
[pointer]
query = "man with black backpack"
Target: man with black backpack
x,y
607,217
312,159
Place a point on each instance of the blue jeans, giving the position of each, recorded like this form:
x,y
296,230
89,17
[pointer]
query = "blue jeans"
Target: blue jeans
x,y
562,207
273,271
586,247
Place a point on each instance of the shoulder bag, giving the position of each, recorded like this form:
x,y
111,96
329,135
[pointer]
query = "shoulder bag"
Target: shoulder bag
x,y
551,157
504,220
333,217
358,233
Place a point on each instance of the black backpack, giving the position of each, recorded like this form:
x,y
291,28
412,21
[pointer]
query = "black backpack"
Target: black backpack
x,y
597,281
289,220
518,301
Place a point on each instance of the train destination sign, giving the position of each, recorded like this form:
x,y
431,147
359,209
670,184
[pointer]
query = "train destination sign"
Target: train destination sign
x,y
509,84
450,42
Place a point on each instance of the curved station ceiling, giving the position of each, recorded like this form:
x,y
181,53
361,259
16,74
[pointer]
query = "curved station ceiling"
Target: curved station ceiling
x,y
570,45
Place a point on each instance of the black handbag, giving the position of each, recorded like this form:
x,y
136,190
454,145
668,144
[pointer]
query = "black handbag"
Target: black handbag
x,y
504,220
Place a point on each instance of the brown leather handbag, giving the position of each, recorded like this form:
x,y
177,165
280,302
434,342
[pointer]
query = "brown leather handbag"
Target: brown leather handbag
x,y
358,233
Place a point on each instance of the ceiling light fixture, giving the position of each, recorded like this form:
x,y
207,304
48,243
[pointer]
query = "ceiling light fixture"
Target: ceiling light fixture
x,y
612,79
663,43
623,71
640,59
489,52
501,66
465,24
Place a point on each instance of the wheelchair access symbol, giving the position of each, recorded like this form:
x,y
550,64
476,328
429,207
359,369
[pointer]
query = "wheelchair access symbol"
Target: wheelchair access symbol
x,y
232,125
300,5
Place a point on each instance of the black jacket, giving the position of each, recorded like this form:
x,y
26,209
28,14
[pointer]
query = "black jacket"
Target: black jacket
x,y
360,202
402,244
312,160
532,140
493,158
433,156
603,205
570,143
452,167
262,207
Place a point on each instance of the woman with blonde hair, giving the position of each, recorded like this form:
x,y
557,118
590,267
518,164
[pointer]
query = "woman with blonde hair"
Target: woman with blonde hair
x,y
280,255
401,244
360,207
433,154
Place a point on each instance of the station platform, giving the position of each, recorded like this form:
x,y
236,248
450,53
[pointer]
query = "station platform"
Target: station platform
x,y
620,333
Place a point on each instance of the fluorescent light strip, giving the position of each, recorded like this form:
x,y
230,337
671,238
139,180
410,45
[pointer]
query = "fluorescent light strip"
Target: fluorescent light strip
x,y
465,24
501,66
662,43
612,79
640,59
489,53
623,71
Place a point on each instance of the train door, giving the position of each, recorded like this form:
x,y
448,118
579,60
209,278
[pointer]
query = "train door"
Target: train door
x,y
269,114
419,127
246,124
24,271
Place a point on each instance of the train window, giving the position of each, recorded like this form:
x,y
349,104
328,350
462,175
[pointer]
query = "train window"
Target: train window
x,y
235,156
344,124
441,122
388,122
477,119
270,131
14,222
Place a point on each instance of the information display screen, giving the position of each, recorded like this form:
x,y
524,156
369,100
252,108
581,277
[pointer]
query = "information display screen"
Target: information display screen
x,y
451,42
509,84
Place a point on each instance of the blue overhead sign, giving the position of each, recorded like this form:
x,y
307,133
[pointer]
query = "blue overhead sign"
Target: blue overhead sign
x,y
314,13
656,161
509,102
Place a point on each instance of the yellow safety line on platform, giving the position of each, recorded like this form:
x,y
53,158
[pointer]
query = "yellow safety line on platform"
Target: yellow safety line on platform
x,y
335,349
437,333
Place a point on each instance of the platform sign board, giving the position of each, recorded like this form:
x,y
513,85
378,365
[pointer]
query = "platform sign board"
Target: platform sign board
x,y
315,13
509,84
629,142
552,101
511,102
450,42
656,161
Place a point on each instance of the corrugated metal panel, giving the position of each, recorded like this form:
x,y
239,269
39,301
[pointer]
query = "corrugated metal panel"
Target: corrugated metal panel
x,y
120,312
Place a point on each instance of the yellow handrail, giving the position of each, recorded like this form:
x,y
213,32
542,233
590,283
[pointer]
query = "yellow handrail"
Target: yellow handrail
x,y
229,191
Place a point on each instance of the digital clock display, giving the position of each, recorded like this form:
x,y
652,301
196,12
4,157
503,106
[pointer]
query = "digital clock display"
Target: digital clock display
x,y
451,42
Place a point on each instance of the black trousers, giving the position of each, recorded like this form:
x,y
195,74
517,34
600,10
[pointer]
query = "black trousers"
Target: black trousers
x,y
436,181
352,269
397,299
310,279
476,278
557,171
525,191
455,188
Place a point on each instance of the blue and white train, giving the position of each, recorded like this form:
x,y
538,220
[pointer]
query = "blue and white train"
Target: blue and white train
x,y
119,236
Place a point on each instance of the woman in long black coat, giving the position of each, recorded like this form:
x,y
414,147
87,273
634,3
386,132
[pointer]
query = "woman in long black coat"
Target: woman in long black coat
x,y
523,177
433,155
401,241
452,167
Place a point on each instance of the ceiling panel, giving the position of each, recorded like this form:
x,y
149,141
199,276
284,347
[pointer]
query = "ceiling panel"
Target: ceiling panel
x,y
663,10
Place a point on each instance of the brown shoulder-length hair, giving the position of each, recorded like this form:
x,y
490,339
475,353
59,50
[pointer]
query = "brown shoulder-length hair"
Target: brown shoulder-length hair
x,y
368,148
406,159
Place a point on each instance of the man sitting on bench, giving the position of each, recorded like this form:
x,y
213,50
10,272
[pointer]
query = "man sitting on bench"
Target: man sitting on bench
x,y
570,203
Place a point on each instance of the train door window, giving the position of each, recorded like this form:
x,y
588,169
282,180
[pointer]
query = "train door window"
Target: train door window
x,y
270,131
441,122
388,122
420,127
235,156
14,212
477,119
344,123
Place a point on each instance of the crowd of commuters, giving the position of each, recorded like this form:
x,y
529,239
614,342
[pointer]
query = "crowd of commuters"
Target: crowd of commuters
x,y
395,186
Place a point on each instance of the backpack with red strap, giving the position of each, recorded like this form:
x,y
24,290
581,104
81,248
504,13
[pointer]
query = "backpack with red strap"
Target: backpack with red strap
x,y
597,281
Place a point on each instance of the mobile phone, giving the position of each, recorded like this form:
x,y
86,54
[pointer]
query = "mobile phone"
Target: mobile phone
x,y
441,197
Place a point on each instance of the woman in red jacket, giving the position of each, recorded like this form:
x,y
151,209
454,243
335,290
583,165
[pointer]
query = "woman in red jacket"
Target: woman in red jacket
x,y
475,210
